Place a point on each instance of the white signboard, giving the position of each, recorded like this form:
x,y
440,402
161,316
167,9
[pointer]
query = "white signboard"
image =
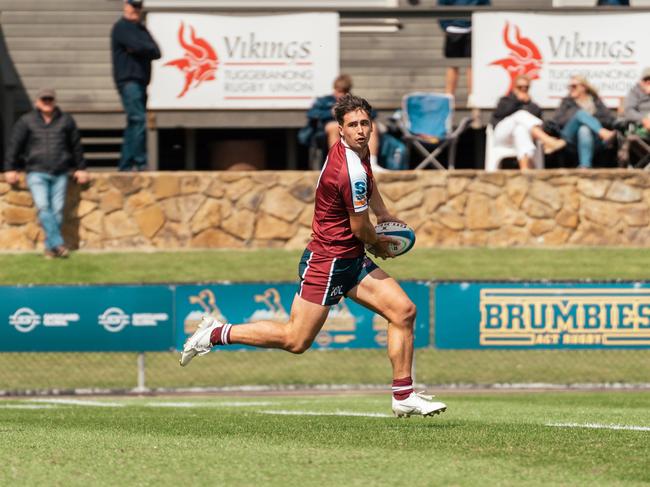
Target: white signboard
x,y
222,62
550,48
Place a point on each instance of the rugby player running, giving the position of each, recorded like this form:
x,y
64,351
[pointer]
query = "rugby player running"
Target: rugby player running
x,y
334,265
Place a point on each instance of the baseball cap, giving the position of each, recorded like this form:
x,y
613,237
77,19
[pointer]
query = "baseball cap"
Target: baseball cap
x,y
645,73
135,3
46,93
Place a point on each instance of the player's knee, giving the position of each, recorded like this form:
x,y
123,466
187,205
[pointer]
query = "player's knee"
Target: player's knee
x,y
408,312
298,345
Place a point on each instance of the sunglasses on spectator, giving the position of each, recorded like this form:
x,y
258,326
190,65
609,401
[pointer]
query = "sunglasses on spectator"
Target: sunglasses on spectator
x,y
523,87
573,86
646,80
47,99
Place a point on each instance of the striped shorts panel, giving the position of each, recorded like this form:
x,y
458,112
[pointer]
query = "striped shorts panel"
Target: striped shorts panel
x,y
325,280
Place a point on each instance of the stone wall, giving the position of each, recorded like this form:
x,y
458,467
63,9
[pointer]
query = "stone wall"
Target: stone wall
x,y
274,209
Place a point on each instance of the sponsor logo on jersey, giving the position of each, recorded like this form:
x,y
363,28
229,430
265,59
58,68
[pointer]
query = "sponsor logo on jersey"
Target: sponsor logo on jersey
x,y
360,198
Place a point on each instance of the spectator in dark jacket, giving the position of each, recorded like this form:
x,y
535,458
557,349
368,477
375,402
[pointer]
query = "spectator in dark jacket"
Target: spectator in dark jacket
x,y
613,3
637,113
517,121
584,120
48,142
458,42
133,50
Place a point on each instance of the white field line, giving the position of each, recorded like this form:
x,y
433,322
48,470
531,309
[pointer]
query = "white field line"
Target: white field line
x,y
27,406
323,413
79,402
233,404
600,426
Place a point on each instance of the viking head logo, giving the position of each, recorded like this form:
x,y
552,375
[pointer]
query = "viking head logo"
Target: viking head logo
x,y
523,58
199,63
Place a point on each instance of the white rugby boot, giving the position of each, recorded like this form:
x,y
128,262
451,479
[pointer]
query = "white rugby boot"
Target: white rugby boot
x,y
199,342
417,404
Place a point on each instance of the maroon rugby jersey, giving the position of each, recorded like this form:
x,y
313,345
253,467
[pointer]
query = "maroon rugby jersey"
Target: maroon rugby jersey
x,y
345,186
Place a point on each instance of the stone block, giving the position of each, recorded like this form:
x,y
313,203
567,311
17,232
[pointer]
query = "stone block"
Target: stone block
x,y
94,221
119,225
434,197
412,200
214,238
216,189
139,200
14,238
593,188
241,188
165,186
635,215
517,189
18,215
194,184
19,198
540,227
483,187
480,213
4,188
84,207
150,220
456,185
623,193
112,200
546,194
128,183
270,228
536,209
240,224
567,218
208,216
449,218
600,212
279,203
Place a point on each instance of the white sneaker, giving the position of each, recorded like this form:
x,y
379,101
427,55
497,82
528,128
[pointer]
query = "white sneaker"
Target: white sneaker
x,y
417,404
199,342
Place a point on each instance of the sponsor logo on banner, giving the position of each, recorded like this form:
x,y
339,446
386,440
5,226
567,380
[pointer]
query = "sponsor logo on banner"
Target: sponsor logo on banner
x,y
559,316
274,311
115,319
523,56
26,319
198,64
258,61
208,303
551,48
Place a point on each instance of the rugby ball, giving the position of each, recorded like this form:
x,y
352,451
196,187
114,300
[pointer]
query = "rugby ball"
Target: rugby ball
x,y
403,235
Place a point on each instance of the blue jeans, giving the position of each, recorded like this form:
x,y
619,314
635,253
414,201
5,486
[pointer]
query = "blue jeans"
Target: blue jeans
x,y
48,193
134,146
582,131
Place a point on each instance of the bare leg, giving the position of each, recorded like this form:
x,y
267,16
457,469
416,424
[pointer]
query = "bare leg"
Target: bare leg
x,y
381,293
332,131
551,144
525,163
296,336
451,80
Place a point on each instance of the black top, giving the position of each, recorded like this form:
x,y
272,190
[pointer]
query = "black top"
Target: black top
x,y
568,108
133,50
52,148
510,104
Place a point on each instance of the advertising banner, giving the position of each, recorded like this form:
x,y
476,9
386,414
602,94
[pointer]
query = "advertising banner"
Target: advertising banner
x,y
552,47
86,319
542,315
349,325
230,62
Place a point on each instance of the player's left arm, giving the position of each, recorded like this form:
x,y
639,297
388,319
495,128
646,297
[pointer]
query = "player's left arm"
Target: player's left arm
x,y
379,208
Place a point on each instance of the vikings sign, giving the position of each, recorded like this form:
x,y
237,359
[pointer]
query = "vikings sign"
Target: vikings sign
x,y
229,62
550,48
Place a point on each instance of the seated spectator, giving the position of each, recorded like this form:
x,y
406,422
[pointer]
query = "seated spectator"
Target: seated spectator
x,y
636,112
48,141
584,121
517,121
321,122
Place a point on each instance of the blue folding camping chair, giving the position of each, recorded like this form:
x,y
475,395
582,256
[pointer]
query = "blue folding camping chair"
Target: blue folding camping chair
x,y
426,125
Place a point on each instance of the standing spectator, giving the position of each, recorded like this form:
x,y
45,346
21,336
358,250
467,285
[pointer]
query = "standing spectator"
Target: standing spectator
x,y
637,112
133,50
48,141
517,121
584,120
458,42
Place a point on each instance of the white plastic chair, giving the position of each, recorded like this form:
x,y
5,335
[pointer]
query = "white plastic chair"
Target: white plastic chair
x,y
495,154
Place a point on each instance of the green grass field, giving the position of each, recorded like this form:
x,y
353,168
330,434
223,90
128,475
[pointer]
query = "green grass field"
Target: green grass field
x,y
483,439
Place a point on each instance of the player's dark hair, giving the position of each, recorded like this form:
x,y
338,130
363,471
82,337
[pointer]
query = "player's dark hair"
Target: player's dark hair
x,y
350,103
